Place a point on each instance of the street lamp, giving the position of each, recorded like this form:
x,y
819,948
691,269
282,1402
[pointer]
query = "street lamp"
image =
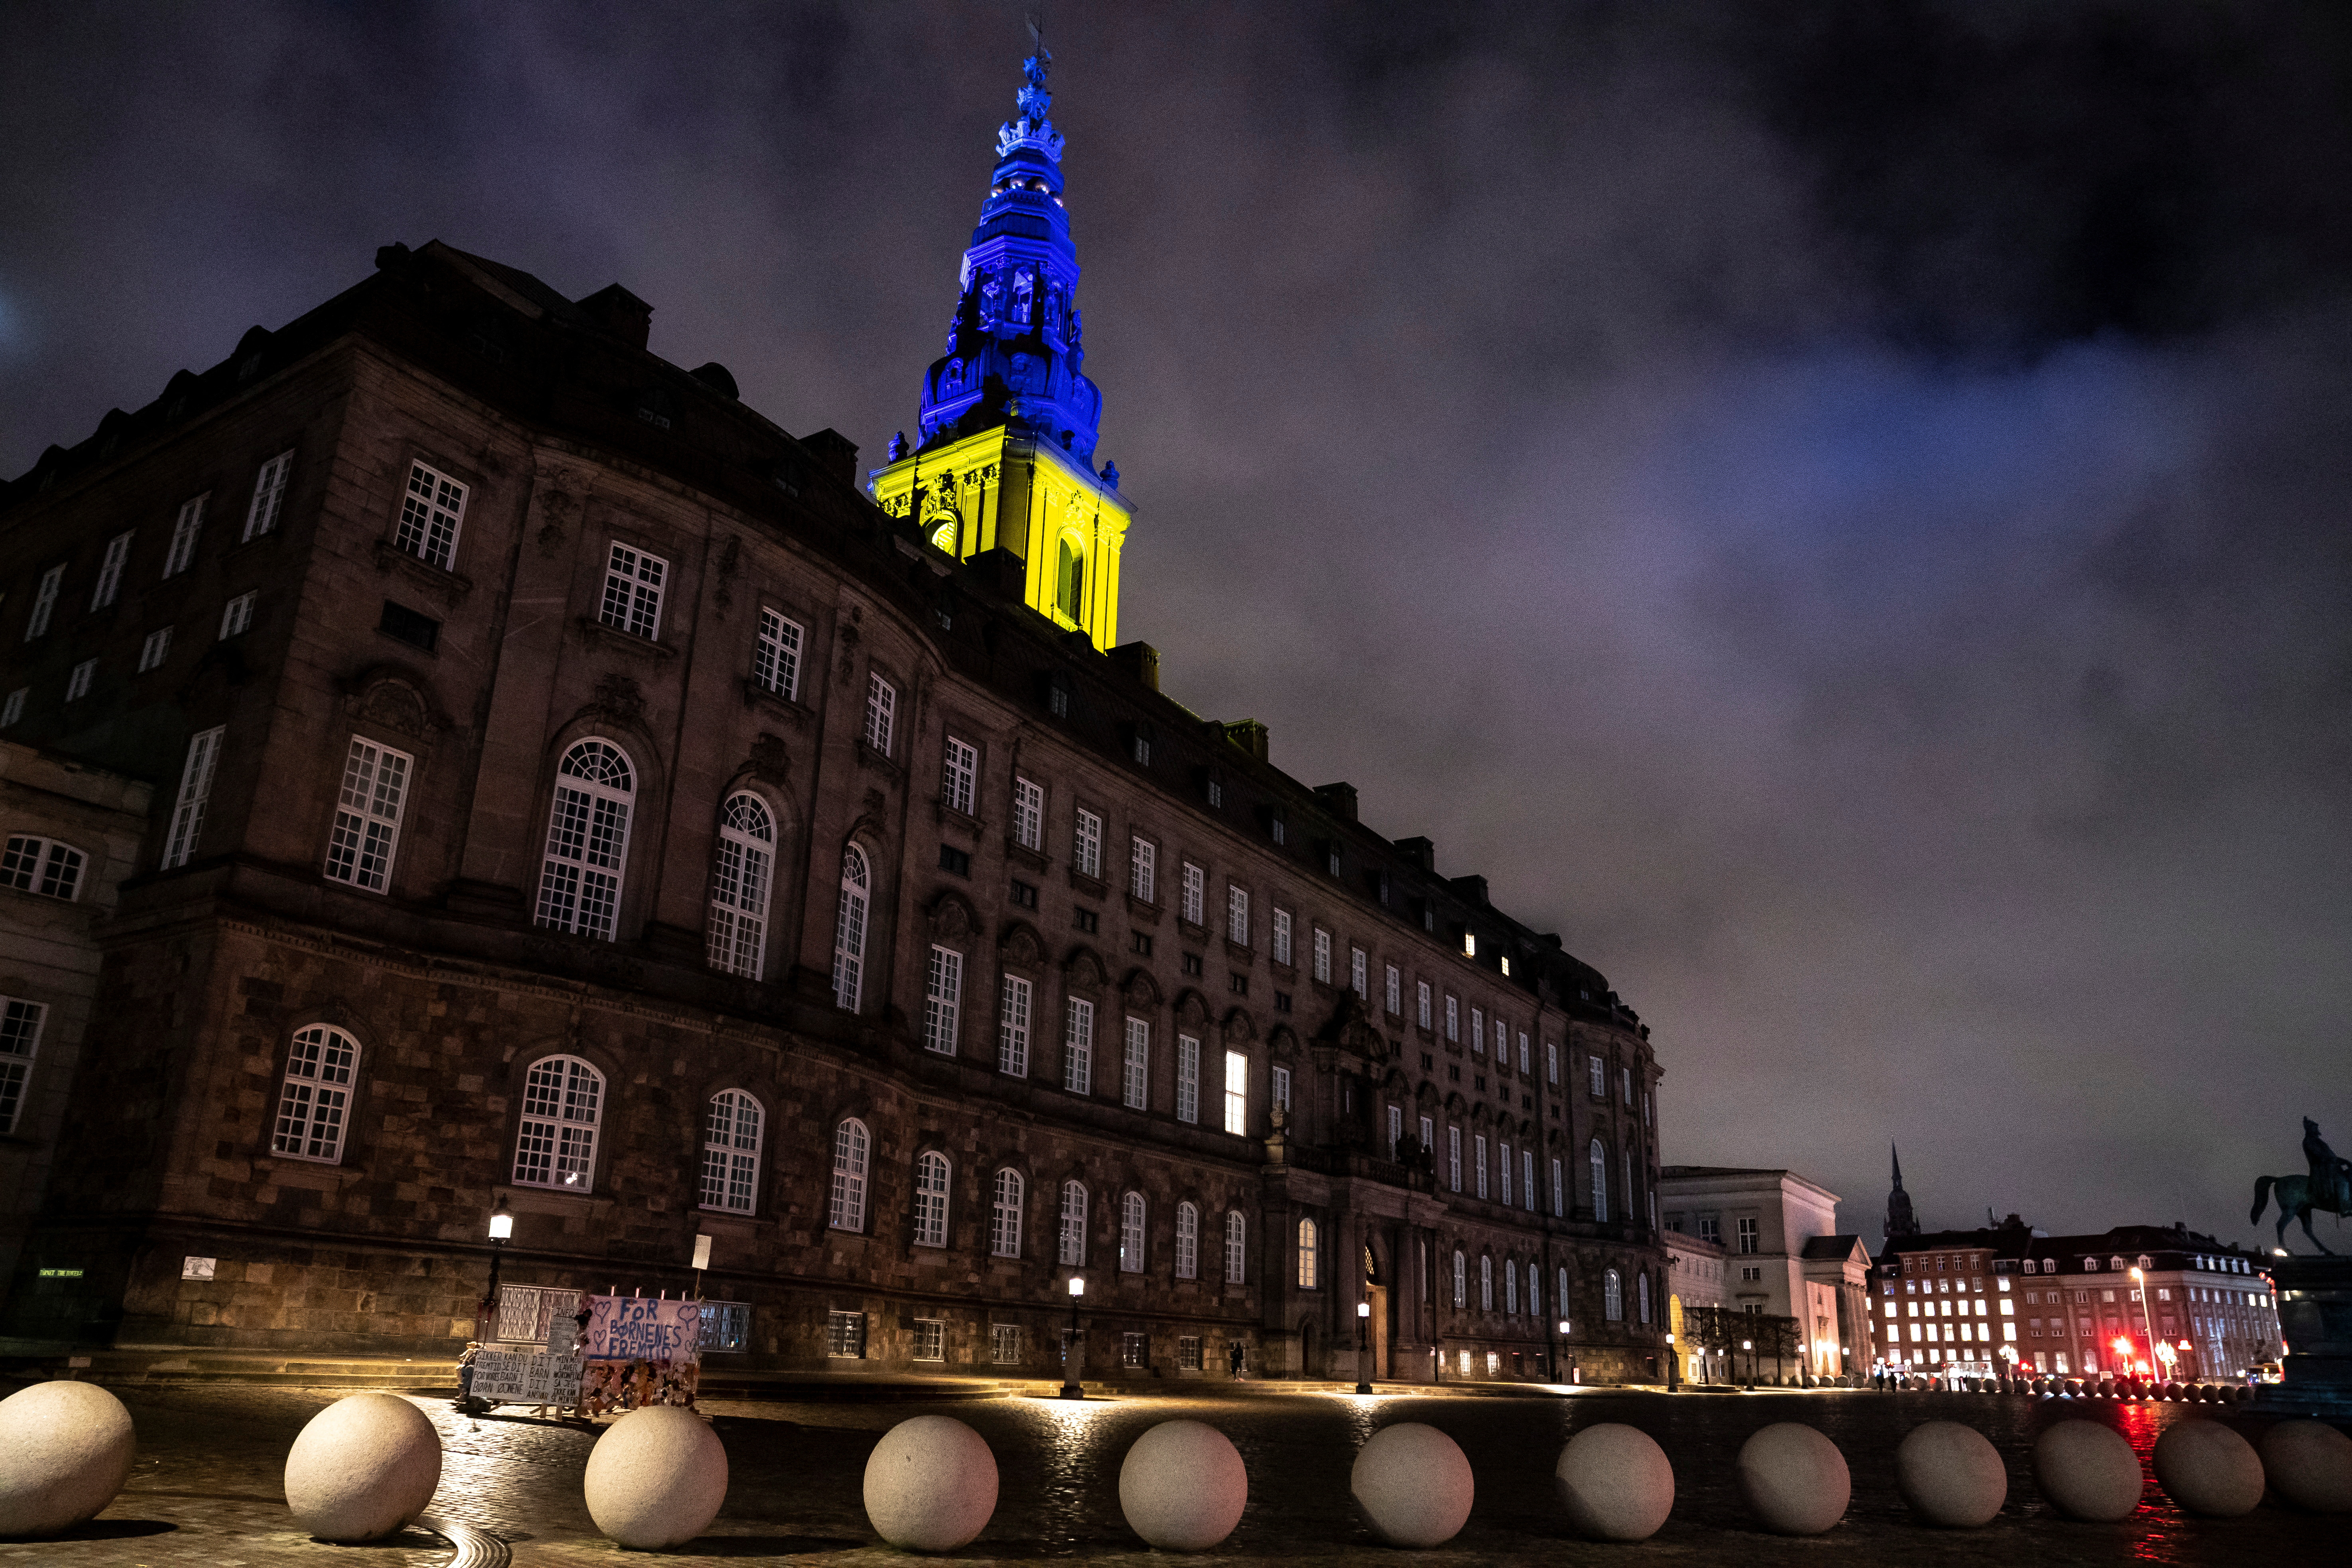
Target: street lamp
x,y
1750,1346
1673,1361
1070,1389
501,1230
2140,1280
1363,1352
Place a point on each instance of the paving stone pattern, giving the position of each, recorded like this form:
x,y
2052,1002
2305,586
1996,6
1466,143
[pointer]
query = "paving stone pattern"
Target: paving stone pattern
x,y
207,1489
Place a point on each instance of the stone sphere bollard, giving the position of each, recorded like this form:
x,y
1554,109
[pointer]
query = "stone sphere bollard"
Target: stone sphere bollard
x,y
2309,1463
1414,1483
1950,1475
1794,1479
1182,1486
656,1478
2206,1469
362,1468
2087,1471
65,1451
931,1484
1615,1482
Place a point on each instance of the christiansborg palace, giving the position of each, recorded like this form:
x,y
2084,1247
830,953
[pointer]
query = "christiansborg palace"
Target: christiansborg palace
x,y
573,794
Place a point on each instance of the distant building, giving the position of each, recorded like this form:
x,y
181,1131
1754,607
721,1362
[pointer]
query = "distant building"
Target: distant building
x,y
1941,1302
1900,1220
1786,1257
1694,1274
72,834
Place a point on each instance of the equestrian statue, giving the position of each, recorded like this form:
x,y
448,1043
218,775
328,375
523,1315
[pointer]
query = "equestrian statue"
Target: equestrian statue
x,y
2326,1189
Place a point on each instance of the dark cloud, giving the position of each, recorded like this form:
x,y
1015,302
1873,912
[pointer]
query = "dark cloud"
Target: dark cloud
x,y
1840,509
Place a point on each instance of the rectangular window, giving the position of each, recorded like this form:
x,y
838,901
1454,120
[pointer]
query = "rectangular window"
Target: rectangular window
x,y
1237,927
1188,1079
1422,993
776,661
1143,870
1282,1087
845,1334
1282,936
633,592
270,494
1453,1023
1322,956
1134,1350
1527,1181
110,572
1478,1029
1356,969
45,601
1196,893
430,516
726,1326
1237,1248
1503,1047
1559,1190
1599,1076
1480,1166
1523,1053
196,789
1188,1351
959,774
236,615
20,1036
1078,1047
1748,1239
13,708
366,834
1454,1158
1028,814
1005,1343
1135,1087
881,713
1396,1129
41,865
1237,1093
1086,845
77,680
184,529
1012,1028
1503,1173
1428,1137
1625,1085
931,1339
156,649
954,860
942,1001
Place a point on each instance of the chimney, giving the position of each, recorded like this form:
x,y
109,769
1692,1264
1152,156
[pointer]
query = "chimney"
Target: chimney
x,y
1248,734
1421,852
1338,799
1140,660
621,313
836,453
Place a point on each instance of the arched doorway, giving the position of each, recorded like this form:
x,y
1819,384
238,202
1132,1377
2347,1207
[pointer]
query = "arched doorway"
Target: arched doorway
x,y
1376,1296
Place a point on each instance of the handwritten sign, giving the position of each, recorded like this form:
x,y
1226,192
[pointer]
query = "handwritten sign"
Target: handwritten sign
x,y
522,1377
630,1327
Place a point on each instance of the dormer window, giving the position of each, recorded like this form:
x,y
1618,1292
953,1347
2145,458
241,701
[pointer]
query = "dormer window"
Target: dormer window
x,y
1057,695
1278,825
1140,736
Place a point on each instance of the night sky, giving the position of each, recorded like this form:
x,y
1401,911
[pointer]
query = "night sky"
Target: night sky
x,y
1840,510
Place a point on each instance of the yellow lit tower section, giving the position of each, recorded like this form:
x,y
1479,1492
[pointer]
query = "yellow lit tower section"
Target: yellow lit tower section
x,y
1003,457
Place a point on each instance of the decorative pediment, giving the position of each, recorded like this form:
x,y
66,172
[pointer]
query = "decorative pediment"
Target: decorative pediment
x,y
770,759
1190,1009
952,915
1284,1041
394,699
1020,945
1082,971
1141,991
1454,1104
1352,1028
619,698
1238,1028
1426,1095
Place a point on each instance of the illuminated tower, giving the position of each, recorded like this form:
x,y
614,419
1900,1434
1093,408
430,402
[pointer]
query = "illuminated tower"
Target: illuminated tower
x,y
1003,454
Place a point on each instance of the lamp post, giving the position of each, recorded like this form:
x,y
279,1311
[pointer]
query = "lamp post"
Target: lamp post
x,y
1673,1364
2147,1322
1363,1349
1750,1346
1070,1389
501,1230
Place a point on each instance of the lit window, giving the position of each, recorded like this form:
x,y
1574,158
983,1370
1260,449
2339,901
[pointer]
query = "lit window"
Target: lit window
x,y
730,1152
1143,870
269,494
109,572
1306,1254
881,713
20,1036
366,834
315,1104
1462,1294
1188,1242
156,649
633,592
776,660
1188,1079
1013,1028
931,1199
1086,845
587,840
42,866
1136,1079
562,1101
1613,1296
1131,1233
1028,814
236,615
1074,1224
1236,1093
195,790
846,1206
1005,1343
430,515
1004,1214
184,529
942,1000
849,931
739,875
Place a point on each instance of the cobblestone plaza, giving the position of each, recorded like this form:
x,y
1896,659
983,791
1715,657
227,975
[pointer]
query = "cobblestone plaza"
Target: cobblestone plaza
x,y
208,1488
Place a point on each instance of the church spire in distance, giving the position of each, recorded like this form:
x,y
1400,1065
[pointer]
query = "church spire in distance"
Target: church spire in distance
x,y
1900,1220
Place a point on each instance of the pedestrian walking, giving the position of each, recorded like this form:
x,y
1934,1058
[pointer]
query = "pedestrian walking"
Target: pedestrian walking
x,y
1233,1359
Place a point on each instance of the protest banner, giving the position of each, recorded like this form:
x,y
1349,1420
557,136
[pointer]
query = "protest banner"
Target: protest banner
x,y
641,1352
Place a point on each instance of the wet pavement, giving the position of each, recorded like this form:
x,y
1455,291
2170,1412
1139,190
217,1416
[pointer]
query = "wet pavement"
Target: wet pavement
x,y
207,1487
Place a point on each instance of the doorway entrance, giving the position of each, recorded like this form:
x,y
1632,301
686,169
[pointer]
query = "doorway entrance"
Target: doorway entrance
x,y
1376,1296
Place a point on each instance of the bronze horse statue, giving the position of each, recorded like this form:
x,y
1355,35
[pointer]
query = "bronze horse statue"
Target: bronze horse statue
x,y
2330,1191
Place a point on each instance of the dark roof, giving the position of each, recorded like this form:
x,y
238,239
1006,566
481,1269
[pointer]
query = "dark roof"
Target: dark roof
x,y
1831,1247
1722,1171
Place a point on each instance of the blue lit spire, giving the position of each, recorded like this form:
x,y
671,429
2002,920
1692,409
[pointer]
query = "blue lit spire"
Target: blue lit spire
x,y
1014,349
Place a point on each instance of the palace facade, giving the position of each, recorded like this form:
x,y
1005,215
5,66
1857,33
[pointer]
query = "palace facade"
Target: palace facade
x,y
578,799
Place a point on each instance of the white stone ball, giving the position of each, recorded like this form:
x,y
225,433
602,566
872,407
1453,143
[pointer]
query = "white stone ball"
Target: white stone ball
x,y
656,1478
1950,1475
363,1469
2087,1470
1794,1479
1615,1482
1414,1483
931,1484
2206,1469
65,1451
1182,1486
2309,1463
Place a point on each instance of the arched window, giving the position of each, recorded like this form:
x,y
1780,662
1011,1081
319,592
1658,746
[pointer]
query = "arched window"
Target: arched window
x,y
1535,1290
847,1209
1237,1248
1485,1282
587,840
1511,1285
1005,1218
730,1152
1306,1254
1560,1292
1612,1297
1070,584
563,1099
1599,1181
1461,1280
739,875
849,931
1188,1242
1074,1224
931,1199
1641,1297
311,1111
1131,1233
